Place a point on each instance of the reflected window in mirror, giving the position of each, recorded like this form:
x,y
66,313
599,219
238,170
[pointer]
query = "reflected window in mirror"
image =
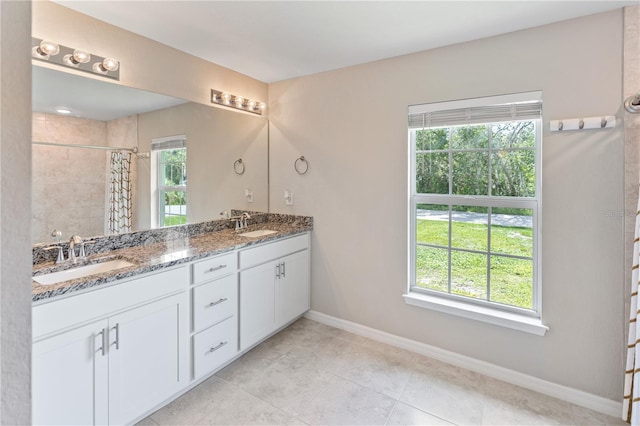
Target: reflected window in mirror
x,y
170,191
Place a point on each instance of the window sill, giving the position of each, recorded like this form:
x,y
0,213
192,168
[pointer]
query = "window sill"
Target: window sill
x,y
478,313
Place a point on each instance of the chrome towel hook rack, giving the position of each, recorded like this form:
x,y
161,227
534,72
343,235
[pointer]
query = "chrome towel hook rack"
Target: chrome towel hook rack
x,y
301,165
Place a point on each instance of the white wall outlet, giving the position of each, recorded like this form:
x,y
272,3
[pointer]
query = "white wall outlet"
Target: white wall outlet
x,y
249,194
288,198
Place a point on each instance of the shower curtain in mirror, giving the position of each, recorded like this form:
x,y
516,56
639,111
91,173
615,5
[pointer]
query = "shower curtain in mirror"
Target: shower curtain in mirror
x,y
631,403
120,193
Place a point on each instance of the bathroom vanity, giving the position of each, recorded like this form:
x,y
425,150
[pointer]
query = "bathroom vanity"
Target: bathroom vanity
x,y
112,348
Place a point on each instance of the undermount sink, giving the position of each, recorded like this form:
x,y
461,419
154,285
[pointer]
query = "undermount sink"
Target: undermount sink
x,y
81,271
258,233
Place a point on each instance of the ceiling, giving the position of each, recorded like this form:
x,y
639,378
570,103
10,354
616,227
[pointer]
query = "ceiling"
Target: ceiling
x,y
91,98
278,40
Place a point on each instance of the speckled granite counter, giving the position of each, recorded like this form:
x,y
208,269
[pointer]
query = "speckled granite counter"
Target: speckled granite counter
x,y
176,246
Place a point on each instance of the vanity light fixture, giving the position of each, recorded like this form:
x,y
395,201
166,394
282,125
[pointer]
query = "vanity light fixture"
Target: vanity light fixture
x,y
79,59
238,102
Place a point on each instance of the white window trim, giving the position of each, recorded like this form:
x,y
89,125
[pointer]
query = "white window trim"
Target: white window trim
x,y
476,312
525,322
156,148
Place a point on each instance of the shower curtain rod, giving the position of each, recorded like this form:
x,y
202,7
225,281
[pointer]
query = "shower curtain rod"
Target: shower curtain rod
x,y
71,145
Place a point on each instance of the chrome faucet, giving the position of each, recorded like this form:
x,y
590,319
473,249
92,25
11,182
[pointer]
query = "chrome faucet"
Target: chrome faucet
x,y
241,221
75,239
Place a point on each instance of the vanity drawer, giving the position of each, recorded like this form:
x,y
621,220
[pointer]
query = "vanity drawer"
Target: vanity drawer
x,y
274,250
214,346
215,301
213,268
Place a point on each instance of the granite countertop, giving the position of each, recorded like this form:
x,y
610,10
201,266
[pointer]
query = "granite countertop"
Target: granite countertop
x,y
159,255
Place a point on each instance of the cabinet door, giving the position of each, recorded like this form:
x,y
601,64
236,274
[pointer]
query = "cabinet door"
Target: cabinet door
x,y
69,377
293,287
257,303
148,361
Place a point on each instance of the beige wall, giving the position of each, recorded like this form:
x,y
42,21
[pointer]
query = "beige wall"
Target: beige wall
x,y
351,124
215,139
15,206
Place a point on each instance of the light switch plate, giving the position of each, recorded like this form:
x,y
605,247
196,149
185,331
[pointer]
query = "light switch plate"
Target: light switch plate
x,y
288,198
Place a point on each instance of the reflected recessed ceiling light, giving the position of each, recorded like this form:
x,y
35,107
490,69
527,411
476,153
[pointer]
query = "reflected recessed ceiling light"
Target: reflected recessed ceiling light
x,y
63,111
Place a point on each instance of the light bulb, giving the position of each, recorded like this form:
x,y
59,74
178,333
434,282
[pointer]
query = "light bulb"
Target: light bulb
x,y
226,97
78,57
251,104
45,50
214,98
49,48
108,64
81,56
263,106
239,101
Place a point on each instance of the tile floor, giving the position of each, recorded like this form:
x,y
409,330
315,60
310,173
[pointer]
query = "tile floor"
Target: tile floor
x,y
318,375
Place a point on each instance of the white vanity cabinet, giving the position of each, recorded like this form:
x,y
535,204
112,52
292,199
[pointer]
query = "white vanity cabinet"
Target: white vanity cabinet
x,y
110,355
274,287
214,311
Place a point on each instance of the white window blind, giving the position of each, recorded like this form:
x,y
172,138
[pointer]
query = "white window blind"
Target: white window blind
x,y
169,142
522,106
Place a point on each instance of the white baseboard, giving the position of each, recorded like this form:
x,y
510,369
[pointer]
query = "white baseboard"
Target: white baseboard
x,y
574,396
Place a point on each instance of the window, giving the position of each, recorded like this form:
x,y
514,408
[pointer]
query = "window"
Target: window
x,y
170,194
475,201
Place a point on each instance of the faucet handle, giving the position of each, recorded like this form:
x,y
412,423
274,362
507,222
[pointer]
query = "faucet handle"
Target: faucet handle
x,y
60,258
82,244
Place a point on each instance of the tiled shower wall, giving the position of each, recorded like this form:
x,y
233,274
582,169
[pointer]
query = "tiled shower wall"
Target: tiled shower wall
x,y
69,185
631,86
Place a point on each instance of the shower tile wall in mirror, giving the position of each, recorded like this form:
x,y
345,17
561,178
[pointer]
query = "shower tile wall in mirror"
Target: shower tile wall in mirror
x,y
71,184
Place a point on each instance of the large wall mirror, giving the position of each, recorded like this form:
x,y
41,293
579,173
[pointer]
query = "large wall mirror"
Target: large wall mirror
x,y
80,176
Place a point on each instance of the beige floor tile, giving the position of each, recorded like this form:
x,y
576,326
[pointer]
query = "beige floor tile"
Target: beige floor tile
x,y
238,407
193,405
448,392
383,373
148,421
405,415
314,374
584,416
244,368
506,404
345,403
288,384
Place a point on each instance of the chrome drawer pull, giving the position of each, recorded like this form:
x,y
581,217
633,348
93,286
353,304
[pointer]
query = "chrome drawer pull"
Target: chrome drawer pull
x,y
217,302
103,337
117,341
217,268
217,347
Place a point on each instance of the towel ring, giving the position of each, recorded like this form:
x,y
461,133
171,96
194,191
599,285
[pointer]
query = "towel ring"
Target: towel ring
x,y
238,166
298,167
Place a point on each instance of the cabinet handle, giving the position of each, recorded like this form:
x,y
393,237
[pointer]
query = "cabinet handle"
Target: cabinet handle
x,y
217,302
103,338
217,268
117,341
216,347
278,270
283,274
